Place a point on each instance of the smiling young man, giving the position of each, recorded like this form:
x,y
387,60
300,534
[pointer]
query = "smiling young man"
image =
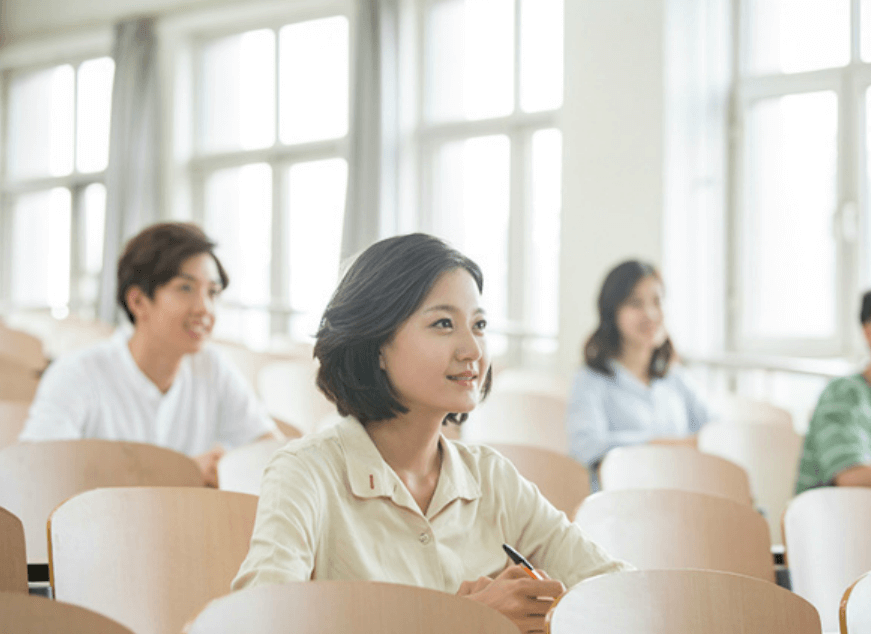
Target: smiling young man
x,y
160,384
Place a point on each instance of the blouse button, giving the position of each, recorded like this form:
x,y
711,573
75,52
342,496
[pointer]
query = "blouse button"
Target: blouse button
x,y
424,538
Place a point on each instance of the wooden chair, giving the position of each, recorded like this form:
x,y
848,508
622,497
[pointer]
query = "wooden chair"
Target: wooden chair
x,y
669,529
855,615
731,408
769,454
681,602
340,607
289,431
826,534
17,383
563,481
13,557
21,349
149,557
523,418
664,467
24,614
13,415
288,389
241,469
37,476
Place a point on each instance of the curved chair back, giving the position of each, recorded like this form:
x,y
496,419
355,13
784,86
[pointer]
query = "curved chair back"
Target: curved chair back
x,y
13,557
241,469
24,614
13,415
21,349
855,616
339,607
669,529
683,468
16,382
288,389
149,557
523,418
731,408
680,602
826,535
562,480
769,454
37,476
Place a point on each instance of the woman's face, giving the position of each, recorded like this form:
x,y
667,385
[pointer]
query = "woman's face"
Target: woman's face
x,y
640,319
437,360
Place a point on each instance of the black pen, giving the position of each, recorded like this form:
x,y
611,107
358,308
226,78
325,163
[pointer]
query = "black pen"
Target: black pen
x,y
520,560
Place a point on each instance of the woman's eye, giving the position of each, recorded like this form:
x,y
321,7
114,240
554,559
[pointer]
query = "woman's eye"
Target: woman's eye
x,y
443,323
481,324
186,287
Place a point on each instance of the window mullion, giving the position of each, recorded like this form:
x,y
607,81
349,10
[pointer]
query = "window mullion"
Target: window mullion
x,y
280,263
517,222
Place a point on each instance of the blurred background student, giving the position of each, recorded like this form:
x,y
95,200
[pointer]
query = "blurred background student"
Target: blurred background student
x,y
629,391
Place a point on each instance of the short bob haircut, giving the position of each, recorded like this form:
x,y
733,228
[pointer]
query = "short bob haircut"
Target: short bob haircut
x,y
605,344
155,255
384,286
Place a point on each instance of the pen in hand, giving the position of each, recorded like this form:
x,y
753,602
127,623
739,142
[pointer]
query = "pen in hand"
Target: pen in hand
x,y
520,560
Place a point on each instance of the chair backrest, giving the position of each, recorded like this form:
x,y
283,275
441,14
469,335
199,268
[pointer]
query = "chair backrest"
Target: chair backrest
x,y
524,418
13,415
855,615
563,481
21,349
340,607
731,408
37,476
668,529
663,467
681,602
288,389
149,557
826,535
17,383
290,431
241,469
769,454
13,557
25,614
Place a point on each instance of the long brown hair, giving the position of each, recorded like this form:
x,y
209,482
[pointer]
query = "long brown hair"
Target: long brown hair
x,y
605,344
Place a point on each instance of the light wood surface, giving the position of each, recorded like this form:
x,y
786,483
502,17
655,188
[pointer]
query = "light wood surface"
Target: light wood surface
x,y
16,382
681,602
13,557
563,481
149,557
855,614
290,431
241,469
25,614
664,467
769,454
36,477
826,535
346,607
21,349
669,529
523,418
731,408
288,389
13,415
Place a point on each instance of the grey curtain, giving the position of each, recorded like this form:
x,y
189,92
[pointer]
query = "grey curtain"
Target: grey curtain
x,y
133,191
370,206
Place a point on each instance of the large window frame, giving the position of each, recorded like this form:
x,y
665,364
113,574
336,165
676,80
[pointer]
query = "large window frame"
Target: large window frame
x,y
850,219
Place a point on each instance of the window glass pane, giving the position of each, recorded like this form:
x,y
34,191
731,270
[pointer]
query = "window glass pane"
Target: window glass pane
x,y
93,114
792,36
788,252
470,210
316,206
237,104
238,206
542,264
314,80
541,54
41,249
41,123
469,59
865,37
94,209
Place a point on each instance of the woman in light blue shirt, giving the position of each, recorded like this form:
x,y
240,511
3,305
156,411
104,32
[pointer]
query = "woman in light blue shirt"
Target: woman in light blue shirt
x,y
629,391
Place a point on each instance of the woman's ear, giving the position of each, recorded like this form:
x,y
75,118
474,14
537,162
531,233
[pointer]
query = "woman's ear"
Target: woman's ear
x,y
136,301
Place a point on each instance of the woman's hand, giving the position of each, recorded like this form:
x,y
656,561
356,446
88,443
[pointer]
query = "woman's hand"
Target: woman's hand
x,y
518,596
208,464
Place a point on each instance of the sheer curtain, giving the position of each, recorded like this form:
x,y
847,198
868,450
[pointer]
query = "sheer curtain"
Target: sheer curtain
x,y
371,200
133,194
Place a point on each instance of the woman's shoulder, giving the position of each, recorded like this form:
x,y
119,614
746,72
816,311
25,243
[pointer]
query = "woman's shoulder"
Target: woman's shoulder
x,y
587,378
846,391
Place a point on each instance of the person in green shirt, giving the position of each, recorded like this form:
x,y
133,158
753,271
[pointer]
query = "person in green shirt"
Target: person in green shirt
x,y
837,447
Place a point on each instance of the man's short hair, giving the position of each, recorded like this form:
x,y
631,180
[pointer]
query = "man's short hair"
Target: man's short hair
x,y
865,312
155,255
